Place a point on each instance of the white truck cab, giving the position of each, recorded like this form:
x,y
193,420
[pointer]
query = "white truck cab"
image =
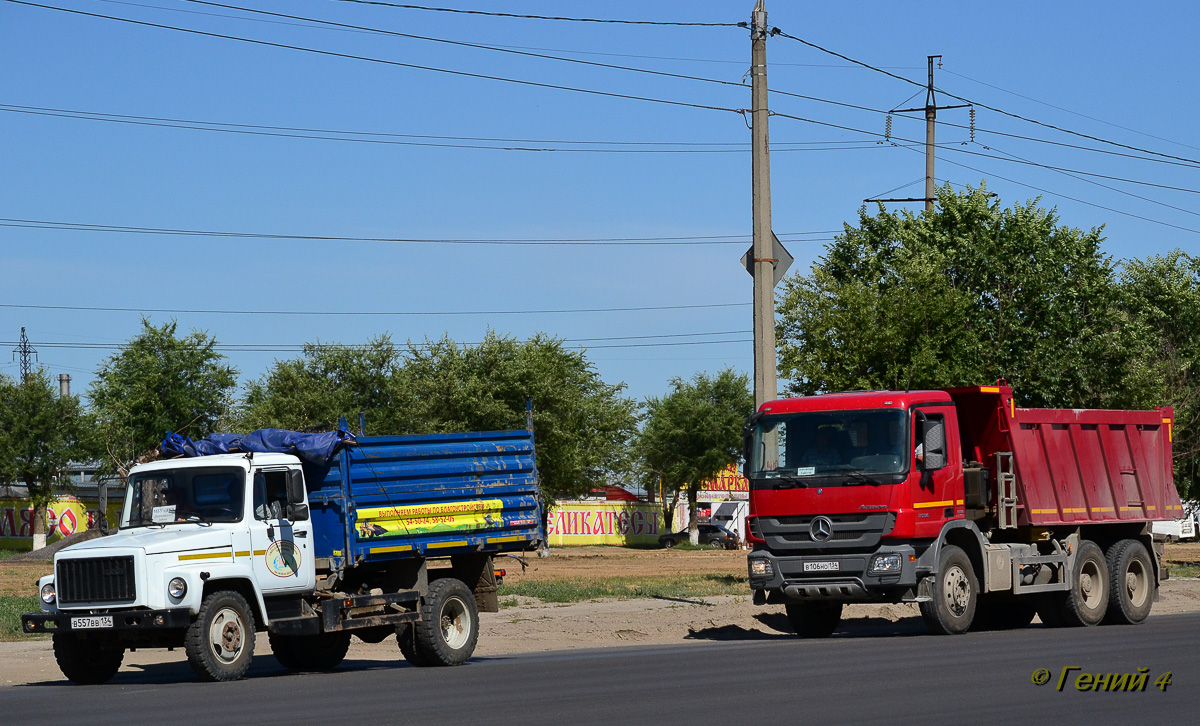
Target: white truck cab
x,y
188,527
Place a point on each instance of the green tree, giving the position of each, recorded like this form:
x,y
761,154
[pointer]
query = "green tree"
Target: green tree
x,y
159,382
326,383
1163,294
40,433
964,295
694,432
582,425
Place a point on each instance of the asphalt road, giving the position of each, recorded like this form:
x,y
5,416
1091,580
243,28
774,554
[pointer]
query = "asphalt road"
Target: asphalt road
x,y
892,673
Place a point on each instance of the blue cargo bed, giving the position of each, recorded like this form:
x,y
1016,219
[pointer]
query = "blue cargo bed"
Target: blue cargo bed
x,y
435,495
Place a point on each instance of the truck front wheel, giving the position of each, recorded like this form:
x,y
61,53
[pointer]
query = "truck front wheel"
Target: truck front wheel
x,y
814,619
955,594
87,662
1087,600
449,626
220,643
1131,582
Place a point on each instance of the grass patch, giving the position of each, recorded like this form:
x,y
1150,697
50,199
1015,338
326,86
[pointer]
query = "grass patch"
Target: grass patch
x,y
5,554
625,588
11,607
1183,568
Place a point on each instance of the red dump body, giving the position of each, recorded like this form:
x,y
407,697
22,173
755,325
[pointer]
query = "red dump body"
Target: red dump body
x,y
1074,466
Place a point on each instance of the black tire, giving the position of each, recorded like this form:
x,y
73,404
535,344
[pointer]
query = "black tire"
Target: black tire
x,y
668,543
220,642
1130,583
814,619
1003,612
406,637
449,626
955,594
87,662
716,544
1087,601
321,652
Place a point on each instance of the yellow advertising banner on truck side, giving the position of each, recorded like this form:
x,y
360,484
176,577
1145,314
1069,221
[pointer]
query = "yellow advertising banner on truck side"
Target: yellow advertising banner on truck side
x,y
604,522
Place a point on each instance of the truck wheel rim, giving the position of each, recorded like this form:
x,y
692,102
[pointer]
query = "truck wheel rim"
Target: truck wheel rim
x,y
1089,584
226,635
1137,583
455,623
957,589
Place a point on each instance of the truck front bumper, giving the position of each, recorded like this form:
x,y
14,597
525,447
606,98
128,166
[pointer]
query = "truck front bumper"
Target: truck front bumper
x,y
138,620
842,577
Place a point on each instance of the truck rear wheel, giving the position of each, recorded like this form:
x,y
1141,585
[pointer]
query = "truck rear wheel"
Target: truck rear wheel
x,y
87,662
1131,582
449,626
406,636
814,619
220,643
1087,600
955,594
321,652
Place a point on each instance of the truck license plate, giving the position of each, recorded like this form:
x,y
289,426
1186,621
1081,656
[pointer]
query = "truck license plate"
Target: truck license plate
x,y
821,567
102,621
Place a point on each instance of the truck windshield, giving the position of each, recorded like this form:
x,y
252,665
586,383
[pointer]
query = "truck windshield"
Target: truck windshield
x,y
185,495
830,443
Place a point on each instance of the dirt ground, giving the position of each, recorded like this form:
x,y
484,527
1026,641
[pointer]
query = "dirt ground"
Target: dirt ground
x,y
534,626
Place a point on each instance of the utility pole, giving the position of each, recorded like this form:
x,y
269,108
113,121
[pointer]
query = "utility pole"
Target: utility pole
x,y
762,258
27,353
931,108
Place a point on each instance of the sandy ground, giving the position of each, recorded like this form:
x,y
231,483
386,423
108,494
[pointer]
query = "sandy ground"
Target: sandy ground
x,y
533,626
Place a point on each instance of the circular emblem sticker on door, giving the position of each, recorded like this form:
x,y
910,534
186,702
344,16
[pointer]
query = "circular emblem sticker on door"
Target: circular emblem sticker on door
x,y
283,559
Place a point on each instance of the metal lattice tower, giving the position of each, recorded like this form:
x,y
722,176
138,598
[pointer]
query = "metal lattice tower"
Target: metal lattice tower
x,y
27,353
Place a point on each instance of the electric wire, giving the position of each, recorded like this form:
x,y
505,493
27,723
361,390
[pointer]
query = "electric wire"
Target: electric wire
x,y
382,61
579,241
525,16
372,313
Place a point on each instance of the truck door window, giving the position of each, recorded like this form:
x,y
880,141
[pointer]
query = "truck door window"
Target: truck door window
x,y
270,494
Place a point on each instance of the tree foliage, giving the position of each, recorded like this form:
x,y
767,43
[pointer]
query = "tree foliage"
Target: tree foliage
x,y
325,383
694,432
159,382
581,424
1163,294
964,295
40,433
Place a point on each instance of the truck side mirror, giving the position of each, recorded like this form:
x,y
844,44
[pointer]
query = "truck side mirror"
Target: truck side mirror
x,y
297,509
933,442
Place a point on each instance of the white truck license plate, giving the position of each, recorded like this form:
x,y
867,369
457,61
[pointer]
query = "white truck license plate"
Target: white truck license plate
x,y
821,567
101,621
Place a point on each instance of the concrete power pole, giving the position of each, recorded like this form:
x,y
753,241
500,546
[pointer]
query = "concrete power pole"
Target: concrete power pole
x,y
763,258
931,108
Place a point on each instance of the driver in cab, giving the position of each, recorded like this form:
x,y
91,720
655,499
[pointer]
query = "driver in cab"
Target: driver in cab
x,y
824,453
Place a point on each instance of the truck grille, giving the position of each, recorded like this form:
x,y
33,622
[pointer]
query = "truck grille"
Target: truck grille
x,y
95,580
850,532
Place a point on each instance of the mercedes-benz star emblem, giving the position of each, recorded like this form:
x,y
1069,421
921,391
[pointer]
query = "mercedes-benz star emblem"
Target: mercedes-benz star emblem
x,y
821,529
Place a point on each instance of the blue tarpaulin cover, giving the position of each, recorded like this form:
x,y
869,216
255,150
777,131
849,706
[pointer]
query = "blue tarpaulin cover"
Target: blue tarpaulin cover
x,y
312,448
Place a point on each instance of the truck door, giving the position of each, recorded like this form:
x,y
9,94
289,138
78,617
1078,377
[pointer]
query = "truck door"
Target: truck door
x,y
936,494
282,550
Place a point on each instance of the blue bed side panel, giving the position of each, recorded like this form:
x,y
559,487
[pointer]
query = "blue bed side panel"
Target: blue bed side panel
x,y
434,495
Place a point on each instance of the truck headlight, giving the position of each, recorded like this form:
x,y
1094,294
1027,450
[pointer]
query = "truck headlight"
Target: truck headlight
x,y
177,587
761,568
888,564
47,593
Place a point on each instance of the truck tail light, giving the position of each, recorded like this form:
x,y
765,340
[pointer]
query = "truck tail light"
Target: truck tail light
x,y
753,536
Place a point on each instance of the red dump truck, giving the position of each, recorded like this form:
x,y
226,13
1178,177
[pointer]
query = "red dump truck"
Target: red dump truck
x,y
982,512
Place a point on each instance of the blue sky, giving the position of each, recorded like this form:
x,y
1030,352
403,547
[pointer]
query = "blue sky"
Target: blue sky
x,y
1130,68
